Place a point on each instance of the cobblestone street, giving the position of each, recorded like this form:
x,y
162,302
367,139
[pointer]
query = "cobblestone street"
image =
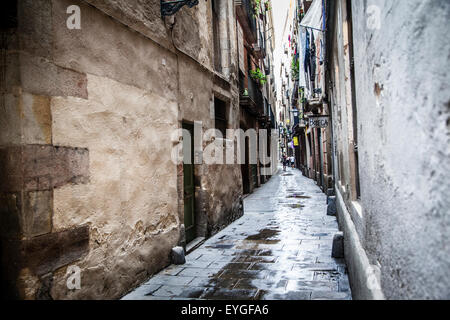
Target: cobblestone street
x,y
279,250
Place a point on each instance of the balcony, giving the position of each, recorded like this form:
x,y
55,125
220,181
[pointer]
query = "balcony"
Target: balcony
x,y
247,19
253,101
314,105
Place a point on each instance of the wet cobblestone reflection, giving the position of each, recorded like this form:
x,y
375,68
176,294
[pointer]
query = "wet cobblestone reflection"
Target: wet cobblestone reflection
x,y
279,249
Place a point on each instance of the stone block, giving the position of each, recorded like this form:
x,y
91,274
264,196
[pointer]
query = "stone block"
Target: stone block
x,y
41,77
337,250
178,256
36,119
331,208
52,251
35,27
42,167
37,213
330,193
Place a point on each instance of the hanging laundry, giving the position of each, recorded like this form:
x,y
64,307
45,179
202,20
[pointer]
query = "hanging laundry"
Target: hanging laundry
x,y
301,54
313,59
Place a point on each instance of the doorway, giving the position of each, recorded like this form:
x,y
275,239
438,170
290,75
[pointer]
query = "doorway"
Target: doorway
x,y
189,184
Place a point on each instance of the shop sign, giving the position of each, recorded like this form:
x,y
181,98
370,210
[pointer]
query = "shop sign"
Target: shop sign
x,y
318,122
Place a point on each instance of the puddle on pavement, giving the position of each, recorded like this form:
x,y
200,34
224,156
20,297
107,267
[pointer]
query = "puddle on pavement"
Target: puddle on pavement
x,y
222,285
221,246
264,235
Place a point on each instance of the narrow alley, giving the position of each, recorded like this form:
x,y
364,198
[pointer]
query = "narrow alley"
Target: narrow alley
x,y
141,145
279,250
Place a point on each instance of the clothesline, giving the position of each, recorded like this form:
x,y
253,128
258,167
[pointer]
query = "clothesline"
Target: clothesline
x,y
312,28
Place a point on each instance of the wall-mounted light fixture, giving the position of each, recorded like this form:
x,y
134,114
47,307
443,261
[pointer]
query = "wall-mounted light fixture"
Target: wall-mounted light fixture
x,y
170,7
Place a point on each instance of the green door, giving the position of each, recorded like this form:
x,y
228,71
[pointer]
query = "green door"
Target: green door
x,y
189,188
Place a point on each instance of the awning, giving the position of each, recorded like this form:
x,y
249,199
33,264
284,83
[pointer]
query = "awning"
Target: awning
x,y
313,17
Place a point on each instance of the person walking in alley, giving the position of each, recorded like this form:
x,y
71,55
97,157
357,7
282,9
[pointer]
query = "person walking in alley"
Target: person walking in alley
x,y
292,160
284,159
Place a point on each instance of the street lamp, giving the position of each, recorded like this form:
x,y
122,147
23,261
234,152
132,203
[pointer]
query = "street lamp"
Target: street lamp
x,y
170,7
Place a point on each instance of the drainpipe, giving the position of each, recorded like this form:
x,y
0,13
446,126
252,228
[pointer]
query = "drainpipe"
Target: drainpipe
x,y
329,7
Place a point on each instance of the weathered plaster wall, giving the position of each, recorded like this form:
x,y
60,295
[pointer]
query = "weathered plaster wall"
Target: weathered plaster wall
x,y
402,96
96,108
130,201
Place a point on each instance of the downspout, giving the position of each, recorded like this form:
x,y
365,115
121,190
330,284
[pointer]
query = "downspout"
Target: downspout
x,y
330,18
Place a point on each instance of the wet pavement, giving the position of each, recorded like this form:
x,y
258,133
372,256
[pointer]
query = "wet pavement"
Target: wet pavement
x,y
279,250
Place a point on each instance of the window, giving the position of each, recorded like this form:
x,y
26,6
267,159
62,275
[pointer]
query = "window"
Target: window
x,y
220,113
216,35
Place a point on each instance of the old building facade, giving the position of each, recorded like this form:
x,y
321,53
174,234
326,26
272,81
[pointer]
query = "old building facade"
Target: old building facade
x,y
89,124
256,41
378,89
389,100
304,111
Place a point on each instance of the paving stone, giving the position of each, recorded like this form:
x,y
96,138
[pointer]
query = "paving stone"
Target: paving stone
x,y
249,274
226,283
179,291
172,270
225,294
326,275
305,275
294,285
329,295
141,292
262,284
256,259
218,264
170,280
196,264
143,298
291,295
237,266
198,272
272,266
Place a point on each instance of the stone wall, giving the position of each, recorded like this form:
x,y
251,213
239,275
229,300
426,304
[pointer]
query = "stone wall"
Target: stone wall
x,y
87,121
402,85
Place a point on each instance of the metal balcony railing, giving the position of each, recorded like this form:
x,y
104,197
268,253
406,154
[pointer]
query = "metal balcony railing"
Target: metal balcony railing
x,y
255,94
251,93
